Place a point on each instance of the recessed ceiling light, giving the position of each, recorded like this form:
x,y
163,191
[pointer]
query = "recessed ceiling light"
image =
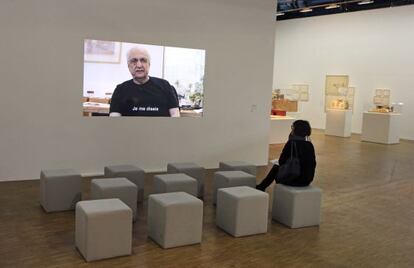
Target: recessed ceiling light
x,y
305,10
280,14
332,6
365,2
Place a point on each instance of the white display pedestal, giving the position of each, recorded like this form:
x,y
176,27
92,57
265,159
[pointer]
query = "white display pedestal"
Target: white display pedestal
x,y
381,127
338,122
280,127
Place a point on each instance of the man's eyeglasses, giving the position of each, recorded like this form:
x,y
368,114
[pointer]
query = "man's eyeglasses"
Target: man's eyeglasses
x,y
136,60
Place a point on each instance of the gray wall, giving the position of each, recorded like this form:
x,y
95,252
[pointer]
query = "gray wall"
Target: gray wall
x,y
41,55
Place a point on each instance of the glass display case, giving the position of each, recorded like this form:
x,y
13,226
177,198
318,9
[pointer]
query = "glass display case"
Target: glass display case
x,y
338,94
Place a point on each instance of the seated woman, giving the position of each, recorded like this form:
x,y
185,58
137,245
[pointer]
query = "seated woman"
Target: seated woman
x,y
301,130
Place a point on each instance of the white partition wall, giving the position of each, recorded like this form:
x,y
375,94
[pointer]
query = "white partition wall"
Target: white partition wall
x,y
375,48
41,55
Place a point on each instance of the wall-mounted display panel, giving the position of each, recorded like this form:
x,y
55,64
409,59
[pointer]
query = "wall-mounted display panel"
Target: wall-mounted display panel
x,y
176,79
298,92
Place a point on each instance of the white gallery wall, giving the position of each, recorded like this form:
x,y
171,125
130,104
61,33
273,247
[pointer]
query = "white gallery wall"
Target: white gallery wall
x,y
375,48
41,61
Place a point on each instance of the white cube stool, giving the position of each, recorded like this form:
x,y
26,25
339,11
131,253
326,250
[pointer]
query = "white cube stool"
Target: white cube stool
x,y
120,188
175,219
297,206
242,210
132,173
224,179
191,169
238,165
60,189
179,182
103,229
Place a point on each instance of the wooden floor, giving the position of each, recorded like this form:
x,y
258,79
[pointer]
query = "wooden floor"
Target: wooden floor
x,y
367,220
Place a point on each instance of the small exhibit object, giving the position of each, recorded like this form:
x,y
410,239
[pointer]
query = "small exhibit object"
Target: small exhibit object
x,y
382,97
338,94
281,101
285,105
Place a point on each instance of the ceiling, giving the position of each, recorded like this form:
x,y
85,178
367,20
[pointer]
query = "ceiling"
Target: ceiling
x,y
292,9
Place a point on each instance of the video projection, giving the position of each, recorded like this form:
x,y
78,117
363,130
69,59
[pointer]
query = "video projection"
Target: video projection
x,y
131,79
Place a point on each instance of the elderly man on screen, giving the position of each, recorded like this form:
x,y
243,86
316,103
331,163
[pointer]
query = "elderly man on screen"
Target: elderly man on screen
x,y
143,95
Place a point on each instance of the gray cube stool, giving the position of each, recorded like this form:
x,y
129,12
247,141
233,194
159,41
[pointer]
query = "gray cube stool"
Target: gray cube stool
x,y
60,189
120,188
191,169
178,182
224,179
242,210
296,206
175,219
238,165
132,173
103,229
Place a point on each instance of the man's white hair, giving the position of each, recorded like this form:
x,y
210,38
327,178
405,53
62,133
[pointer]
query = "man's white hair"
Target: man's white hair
x,y
140,49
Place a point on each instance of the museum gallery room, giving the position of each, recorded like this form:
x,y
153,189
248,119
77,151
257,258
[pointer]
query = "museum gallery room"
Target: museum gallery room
x,y
196,133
